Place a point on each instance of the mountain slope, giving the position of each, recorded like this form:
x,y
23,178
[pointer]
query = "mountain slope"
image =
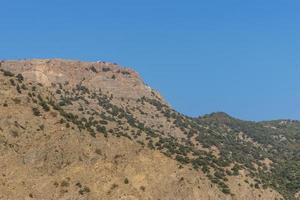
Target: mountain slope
x,y
78,130
271,149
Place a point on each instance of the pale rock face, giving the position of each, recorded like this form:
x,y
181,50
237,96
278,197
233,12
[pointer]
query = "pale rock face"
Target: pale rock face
x,y
121,82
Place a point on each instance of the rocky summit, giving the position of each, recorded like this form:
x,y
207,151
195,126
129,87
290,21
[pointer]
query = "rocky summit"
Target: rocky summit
x,y
94,130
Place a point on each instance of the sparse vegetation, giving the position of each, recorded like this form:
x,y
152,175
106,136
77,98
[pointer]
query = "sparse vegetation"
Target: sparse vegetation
x,y
20,78
126,181
36,111
84,190
217,144
7,73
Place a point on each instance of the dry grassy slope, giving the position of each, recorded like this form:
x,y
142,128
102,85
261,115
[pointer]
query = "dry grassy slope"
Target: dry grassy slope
x,y
43,159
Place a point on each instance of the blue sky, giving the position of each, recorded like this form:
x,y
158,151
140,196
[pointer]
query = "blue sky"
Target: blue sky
x,y
240,57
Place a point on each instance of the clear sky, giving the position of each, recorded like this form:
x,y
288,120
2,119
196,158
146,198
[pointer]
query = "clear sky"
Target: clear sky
x,y
240,57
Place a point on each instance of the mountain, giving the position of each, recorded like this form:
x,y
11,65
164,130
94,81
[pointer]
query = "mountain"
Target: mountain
x,y
94,130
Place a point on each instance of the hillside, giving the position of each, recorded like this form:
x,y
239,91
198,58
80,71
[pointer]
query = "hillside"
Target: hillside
x,y
90,130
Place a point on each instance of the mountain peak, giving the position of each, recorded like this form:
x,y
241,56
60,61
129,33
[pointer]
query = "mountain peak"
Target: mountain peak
x,y
121,81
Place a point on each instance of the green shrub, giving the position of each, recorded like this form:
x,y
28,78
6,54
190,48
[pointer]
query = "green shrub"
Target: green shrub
x,y
44,106
36,111
20,77
8,73
126,181
226,190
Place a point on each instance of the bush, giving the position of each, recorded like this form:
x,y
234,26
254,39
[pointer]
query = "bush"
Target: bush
x,y
44,106
23,86
8,73
18,89
103,122
12,82
226,190
126,181
36,111
64,184
143,188
101,129
58,91
20,77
